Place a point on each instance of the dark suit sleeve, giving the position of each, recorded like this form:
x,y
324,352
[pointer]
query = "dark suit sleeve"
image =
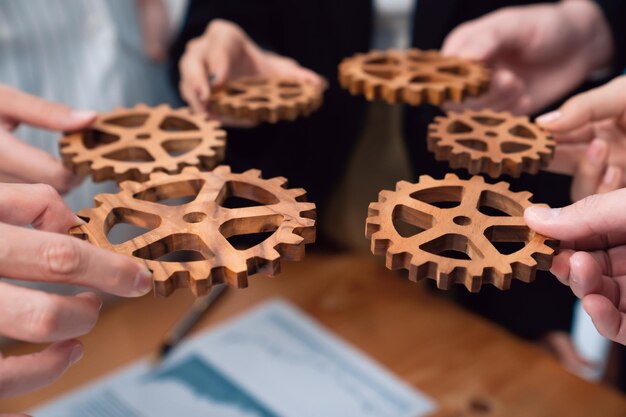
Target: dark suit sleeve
x,y
615,13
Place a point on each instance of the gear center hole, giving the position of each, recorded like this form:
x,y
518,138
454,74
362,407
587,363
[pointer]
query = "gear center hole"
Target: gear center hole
x,y
194,217
491,134
462,220
143,136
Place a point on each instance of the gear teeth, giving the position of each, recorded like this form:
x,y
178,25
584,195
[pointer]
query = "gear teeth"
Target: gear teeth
x,y
253,173
414,253
280,181
402,185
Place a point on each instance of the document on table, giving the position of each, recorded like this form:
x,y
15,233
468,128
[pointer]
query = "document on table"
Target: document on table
x,y
270,362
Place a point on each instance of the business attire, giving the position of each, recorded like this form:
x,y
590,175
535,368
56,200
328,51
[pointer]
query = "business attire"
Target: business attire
x,y
319,34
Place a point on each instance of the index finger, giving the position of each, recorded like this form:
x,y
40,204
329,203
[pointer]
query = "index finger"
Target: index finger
x,y
598,104
42,256
22,107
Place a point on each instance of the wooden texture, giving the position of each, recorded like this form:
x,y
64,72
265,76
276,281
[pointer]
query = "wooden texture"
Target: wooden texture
x,y
468,366
453,217
130,144
263,99
412,76
196,229
490,142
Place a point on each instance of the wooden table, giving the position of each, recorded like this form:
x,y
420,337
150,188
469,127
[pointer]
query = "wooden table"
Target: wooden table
x,y
469,366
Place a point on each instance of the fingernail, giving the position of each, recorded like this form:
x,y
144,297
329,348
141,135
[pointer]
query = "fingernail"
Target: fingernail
x,y
143,281
77,354
610,175
543,213
79,221
83,115
549,117
212,78
595,151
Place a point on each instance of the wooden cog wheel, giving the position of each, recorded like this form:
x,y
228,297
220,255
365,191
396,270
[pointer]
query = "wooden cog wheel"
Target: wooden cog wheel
x,y
130,144
489,142
412,76
188,234
457,231
262,99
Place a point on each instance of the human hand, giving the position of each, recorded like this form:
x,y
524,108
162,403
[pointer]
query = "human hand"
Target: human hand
x,y
20,162
592,260
48,256
536,53
155,28
224,52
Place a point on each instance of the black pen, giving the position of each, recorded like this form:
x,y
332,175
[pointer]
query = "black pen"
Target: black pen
x,y
187,322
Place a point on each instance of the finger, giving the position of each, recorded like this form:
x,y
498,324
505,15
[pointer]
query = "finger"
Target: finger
x,y
612,180
595,105
586,277
594,216
32,165
606,317
38,205
582,135
22,107
42,256
590,171
194,84
567,157
38,317
561,266
22,374
505,88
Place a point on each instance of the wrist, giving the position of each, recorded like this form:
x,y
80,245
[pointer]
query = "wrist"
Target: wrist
x,y
593,32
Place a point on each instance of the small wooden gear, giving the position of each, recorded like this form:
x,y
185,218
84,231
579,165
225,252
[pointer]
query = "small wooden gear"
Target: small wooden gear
x,y
201,226
412,76
457,231
489,142
263,99
130,144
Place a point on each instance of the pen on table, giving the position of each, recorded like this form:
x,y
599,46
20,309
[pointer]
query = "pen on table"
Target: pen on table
x,y
187,322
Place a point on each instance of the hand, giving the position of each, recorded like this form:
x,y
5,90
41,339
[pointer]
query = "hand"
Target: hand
x,y
48,256
20,162
537,54
592,260
155,28
225,52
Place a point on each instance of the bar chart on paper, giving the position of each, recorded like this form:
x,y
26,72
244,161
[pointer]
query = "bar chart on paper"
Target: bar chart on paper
x,y
270,362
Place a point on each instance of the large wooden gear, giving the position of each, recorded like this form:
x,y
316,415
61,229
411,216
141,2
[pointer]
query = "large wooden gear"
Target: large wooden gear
x,y
432,249
266,99
203,226
489,142
130,144
412,76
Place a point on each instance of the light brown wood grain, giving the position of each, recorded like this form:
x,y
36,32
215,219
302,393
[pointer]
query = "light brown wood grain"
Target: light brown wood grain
x,y
462,228
203,225
412,76
470,367
495,143
130,144
266,99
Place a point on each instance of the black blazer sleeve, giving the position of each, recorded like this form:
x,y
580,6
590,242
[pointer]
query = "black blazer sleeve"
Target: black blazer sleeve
x,y
615,13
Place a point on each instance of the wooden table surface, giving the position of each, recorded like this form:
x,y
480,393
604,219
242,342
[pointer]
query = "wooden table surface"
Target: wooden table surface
x,y
470,367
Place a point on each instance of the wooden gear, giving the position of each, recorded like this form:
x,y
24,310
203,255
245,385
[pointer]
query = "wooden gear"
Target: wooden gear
x,y
203,226
130,144
462,229
262,99
490,142
412,76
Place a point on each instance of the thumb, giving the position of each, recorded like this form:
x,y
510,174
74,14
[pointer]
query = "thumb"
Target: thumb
x,y
595,105
589,219
25,108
